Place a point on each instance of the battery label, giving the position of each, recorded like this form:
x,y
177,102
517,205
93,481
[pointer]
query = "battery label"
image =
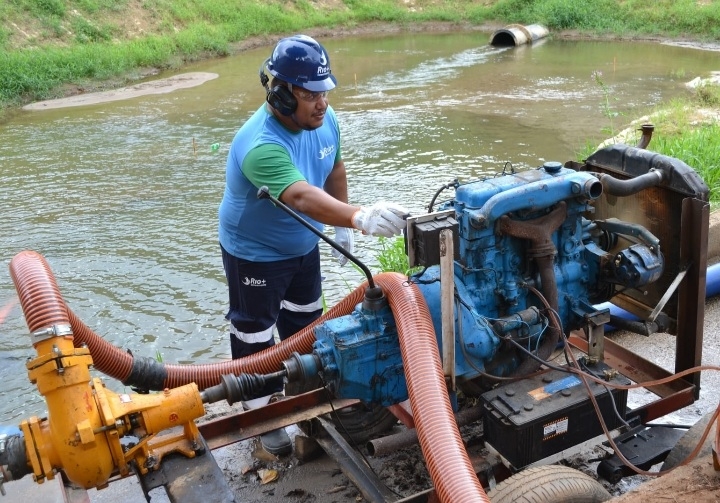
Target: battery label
x,y
555,428
554,387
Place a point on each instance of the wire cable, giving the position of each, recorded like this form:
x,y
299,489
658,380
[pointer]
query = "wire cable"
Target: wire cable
x,y
585,377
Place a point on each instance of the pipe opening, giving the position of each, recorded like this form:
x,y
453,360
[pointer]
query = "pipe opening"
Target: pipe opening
x,y
503,38
516,34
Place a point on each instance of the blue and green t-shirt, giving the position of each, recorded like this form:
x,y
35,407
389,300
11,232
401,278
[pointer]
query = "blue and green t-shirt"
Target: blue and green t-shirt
x,y
266,153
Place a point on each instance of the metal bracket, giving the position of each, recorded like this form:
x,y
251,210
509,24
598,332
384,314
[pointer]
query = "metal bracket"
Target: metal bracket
x,y
668,293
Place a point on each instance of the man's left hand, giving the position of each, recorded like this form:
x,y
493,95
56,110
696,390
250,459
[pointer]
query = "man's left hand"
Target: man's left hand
x,y
345,238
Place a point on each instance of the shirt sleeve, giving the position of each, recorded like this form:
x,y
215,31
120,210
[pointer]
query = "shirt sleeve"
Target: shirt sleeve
x,y
270,165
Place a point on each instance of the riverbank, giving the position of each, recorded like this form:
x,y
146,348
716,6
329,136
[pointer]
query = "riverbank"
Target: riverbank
x,y
51,49
100,91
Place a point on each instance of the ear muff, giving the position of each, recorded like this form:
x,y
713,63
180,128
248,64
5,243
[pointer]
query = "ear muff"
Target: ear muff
x,y
279,97
282,100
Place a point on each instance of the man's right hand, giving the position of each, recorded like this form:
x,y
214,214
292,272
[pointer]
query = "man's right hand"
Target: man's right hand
x,y
381,219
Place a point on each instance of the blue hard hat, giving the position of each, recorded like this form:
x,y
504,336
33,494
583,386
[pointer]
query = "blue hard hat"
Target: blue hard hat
x,y
302,61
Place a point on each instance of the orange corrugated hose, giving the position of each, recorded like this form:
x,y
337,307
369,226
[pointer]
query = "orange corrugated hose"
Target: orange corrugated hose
x,y
442,446
38,292
447,460
118,364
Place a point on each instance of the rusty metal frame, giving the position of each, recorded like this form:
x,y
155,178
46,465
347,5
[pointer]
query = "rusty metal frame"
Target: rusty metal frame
x,y
251,423
690,321
691,295
672,396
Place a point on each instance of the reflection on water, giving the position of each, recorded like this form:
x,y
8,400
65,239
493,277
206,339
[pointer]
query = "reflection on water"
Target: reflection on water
x,y
121,198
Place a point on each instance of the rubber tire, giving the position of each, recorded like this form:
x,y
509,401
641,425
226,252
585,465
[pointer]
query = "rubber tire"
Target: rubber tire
x,y
361,423
689,441
549,484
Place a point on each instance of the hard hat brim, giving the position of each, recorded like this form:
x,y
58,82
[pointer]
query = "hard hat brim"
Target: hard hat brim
x,y
320,85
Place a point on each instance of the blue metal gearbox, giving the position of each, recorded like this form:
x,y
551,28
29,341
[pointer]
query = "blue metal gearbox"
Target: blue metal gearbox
x,y
360,356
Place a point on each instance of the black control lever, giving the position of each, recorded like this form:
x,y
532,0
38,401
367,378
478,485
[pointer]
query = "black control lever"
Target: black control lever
x,y
373,292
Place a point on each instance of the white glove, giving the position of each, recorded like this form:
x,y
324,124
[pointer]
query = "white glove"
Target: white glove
x,y
345,238
381,219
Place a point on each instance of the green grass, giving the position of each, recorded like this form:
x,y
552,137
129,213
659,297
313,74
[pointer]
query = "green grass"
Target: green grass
x,y
81,42
695,140
392,256
682,133
639,17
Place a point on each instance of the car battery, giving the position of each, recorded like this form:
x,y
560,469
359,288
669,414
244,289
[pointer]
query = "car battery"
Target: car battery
x,y
534,418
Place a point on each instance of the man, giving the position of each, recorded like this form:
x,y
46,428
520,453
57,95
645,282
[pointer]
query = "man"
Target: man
x,y
291,145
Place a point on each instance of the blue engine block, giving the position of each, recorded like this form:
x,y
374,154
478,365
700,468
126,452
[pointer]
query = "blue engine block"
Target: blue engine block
x,y
505,226
525,248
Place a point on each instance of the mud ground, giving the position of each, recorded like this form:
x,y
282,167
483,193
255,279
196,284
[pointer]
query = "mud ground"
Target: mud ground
x,y
157,86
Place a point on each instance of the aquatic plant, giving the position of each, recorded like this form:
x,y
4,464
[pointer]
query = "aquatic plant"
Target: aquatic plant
x,y
607,109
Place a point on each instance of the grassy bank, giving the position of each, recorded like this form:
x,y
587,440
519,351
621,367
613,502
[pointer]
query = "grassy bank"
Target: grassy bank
x,y
692,136
46,45
51,48
687,128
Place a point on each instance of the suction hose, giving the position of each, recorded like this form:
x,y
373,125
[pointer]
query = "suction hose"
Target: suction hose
x,y
43,306
442,446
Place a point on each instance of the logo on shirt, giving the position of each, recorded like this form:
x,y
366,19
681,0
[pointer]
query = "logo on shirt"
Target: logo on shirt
x,y
327,151
253,282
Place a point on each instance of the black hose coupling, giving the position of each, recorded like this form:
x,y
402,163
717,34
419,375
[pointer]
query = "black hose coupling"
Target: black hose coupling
x,y
302,368
238,388
14,456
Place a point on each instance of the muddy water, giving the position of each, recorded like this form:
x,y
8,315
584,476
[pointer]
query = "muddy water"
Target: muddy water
x,y
121,198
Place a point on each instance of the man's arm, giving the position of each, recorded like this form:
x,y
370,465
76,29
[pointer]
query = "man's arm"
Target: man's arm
x,y
380,219
270,165
336,183
327,206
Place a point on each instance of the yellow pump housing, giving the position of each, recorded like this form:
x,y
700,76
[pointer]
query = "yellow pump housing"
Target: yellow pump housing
x,y
81,435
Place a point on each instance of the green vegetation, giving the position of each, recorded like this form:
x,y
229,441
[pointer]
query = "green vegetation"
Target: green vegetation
x,y
698,148
686,128
84,42
607,108
630,17
689,136
393,258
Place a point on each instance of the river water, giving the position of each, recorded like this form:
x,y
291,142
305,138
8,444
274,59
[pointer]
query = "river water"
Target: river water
x,y
121,198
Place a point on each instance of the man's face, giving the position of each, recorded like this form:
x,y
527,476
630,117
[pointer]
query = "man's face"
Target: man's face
x,y
311,107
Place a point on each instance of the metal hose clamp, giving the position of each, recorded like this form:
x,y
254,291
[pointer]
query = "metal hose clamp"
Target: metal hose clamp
x,y
52,331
